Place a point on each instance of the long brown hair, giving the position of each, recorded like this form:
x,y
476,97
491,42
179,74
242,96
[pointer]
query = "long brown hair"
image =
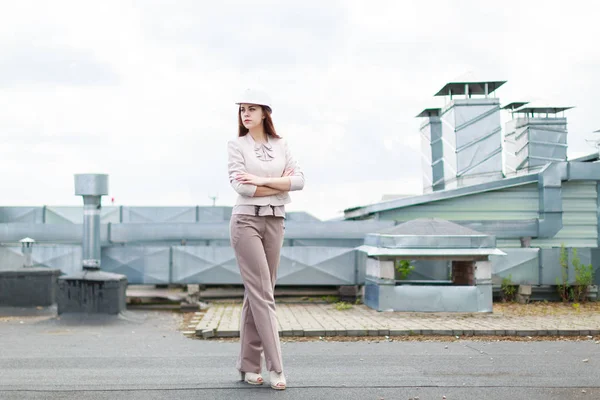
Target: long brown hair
x,y
267,123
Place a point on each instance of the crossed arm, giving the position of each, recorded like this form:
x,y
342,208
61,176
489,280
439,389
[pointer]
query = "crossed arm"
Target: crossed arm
x,y
266,186
263,191
256,186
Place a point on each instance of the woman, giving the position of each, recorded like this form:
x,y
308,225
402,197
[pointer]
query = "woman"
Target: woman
x,y
262,171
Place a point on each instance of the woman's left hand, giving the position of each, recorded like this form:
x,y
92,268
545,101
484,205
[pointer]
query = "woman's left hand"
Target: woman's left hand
x,y
250,179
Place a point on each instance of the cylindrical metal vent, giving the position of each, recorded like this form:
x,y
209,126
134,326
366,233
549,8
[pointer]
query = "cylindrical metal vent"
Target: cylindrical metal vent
x,y
91,232
27,250
92,187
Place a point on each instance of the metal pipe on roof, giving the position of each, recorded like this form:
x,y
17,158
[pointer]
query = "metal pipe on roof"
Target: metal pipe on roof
x,y
91,187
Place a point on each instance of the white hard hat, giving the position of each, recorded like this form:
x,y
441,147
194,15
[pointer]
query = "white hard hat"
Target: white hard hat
x,y
254,96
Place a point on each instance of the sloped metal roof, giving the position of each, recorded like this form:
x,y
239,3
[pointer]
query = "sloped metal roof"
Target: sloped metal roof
x,y
428,227
587,158
365,210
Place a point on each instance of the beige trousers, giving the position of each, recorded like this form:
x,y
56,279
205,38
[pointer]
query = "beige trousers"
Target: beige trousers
x,y
257,244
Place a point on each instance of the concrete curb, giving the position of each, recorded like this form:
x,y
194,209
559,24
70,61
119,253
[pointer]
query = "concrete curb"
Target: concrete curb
x,y
417,332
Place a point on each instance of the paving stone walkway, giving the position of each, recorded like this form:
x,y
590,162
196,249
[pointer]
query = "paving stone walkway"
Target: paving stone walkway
x,y
223,320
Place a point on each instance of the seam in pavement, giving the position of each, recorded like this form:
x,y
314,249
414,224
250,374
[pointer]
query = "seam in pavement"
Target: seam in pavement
x,y
474,349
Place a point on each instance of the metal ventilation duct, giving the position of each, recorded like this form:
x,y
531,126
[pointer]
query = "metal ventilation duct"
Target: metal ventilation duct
x,y
432,162
535,136
471,133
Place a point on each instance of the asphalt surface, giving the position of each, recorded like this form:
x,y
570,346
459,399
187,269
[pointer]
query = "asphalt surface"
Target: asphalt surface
x,y
142,355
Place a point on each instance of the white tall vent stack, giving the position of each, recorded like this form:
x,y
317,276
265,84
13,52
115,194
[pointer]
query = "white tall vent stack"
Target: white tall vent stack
x,y
471,133
432,163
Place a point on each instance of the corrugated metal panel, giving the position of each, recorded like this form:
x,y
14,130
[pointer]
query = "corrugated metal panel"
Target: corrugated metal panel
x,y
141,264
508,243
580,220
369,211
21,214
347,231
205,264
595,253
521,264
11,257
67,258
213,214
317,266
519,202
74,215
162,214
300,216
579,204
551,268
46,233
299,266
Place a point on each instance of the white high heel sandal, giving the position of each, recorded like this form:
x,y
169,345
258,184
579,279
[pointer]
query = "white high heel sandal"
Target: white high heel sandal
x,y
277,380
251,378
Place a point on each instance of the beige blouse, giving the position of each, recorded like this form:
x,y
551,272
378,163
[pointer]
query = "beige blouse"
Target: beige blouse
x,y
270,160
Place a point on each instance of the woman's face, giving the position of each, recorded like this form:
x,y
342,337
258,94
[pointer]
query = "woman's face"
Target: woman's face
x,y
251,115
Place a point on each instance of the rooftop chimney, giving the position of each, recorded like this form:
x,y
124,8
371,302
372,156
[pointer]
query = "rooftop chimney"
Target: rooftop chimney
x,y
535,136
471,133
432,163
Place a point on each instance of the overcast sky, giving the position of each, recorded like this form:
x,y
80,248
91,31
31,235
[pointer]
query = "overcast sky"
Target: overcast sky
x,y
144,90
